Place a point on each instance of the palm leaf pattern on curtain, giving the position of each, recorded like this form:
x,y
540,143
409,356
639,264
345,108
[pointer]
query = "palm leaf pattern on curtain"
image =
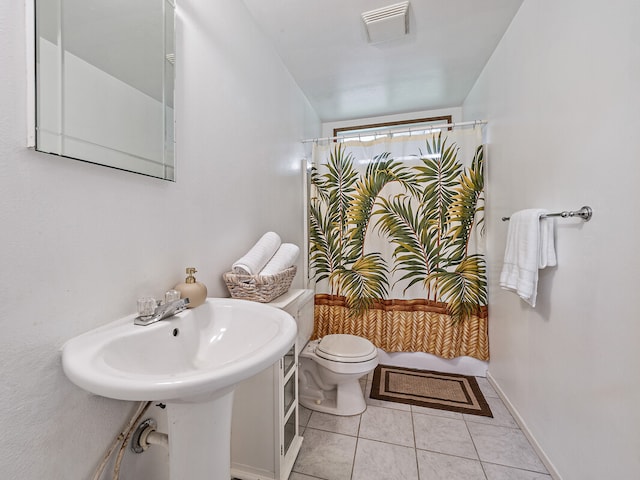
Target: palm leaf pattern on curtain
x,y
328,224
338,231
467,202
439,176
429,225
416,248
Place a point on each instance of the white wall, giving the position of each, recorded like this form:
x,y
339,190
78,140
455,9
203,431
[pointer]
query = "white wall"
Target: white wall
x,y
79,243
562,96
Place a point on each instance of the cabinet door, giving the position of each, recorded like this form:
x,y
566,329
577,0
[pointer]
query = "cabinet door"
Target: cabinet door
x,y
288,361
290,430
290,439
289,395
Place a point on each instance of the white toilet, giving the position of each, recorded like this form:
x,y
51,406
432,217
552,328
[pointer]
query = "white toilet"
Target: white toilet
x,y
331,367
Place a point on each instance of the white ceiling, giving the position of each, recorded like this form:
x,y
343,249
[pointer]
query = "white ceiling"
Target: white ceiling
x,y
324,45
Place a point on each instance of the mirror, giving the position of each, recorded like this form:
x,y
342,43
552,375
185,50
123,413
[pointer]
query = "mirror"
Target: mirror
x,y
104,83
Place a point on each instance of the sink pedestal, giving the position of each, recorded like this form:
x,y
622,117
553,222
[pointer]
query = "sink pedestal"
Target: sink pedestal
x,y
192,362
200,439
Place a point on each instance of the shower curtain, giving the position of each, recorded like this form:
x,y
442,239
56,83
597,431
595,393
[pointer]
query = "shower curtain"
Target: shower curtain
x,y
396,242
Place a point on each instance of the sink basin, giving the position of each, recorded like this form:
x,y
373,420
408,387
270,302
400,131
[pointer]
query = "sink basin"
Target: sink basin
x,y
191,362
197,352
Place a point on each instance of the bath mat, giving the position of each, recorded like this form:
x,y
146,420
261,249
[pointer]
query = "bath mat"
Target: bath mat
x,y
426,388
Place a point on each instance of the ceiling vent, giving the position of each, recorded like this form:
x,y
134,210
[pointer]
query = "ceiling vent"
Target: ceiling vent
x,y
387,23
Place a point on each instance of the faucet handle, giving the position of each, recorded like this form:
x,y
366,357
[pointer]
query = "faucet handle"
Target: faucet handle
x,y
147,306
171,296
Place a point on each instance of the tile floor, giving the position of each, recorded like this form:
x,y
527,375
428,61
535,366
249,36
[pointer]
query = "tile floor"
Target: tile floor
x,y
392,441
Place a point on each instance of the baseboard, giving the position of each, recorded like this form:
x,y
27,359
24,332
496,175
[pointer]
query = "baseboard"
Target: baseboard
x,y
525,429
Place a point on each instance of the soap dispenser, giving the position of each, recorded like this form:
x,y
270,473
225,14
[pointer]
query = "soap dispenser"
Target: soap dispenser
x,y
195,291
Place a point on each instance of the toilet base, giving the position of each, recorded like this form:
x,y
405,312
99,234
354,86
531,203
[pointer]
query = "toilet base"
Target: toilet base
x,y
345,400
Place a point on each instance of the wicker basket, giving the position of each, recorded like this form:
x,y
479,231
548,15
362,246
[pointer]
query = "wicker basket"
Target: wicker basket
x,y
259,288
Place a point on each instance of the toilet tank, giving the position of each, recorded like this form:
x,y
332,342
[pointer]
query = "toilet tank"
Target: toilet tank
x,y
299,304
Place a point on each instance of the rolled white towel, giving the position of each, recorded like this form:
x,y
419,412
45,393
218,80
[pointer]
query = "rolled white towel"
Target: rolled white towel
x,y
256,258
286,256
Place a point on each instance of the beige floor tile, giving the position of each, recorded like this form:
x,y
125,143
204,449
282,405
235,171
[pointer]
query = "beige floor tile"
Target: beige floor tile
x,y
500,472
394,441
501,415
504,446
443,435
436,412
326,455
438,466
303,415
486,388
383,461
335,423
387,425
301,476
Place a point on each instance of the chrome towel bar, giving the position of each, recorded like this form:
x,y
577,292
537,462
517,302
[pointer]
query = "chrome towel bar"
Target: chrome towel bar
x,y
585,213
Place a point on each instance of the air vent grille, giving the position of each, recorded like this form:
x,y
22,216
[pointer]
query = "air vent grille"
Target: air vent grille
x,y
387,23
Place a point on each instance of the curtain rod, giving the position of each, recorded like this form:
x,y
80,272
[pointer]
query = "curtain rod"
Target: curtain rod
x,y
406,130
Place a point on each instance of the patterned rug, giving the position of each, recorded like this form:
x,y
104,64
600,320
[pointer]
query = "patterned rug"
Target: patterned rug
x,y
444,391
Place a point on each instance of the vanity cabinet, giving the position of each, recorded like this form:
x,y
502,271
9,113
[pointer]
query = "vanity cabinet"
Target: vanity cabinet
x,y
264,426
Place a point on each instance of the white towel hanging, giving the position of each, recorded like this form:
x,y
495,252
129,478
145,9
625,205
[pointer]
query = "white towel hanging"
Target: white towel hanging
x,y
530,247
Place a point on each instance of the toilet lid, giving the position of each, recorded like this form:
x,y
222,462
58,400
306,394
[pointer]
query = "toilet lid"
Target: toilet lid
x,y
346,348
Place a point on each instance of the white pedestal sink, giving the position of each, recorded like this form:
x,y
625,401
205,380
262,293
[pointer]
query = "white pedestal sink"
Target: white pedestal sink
x,y
191,362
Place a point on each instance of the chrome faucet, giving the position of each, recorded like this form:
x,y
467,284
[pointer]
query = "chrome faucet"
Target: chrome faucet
x,y
162,311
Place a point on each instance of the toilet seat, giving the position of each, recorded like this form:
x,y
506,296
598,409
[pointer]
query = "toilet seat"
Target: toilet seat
x,y
345,348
